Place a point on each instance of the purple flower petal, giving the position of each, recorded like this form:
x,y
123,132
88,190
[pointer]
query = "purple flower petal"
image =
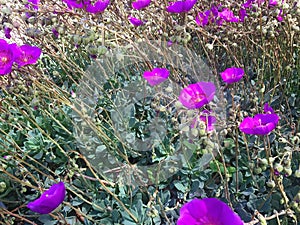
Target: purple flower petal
x,y
156,76
27,55
7,31
268,109
260,124
181,6
49,200
197,95
279,16
231,75
248,4
55,32
98,7
202,19
204,212
215,10
6,57
228,15
74,3
272,3
176,7
170,43
140,4
33,3
189,4
135,21
242,14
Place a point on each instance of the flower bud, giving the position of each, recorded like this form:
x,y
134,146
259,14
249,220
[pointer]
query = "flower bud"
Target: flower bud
x,y
251,165
263,162
264,168
257,170
3,185
288,171
294,204
270,183
169,89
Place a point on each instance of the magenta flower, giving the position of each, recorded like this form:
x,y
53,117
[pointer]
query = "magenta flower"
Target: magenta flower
x,y
49,200
140,4
207,211
202,19
279,16
98,7
272,3
260,124
231,75
215,10
156,76
228,16
197,95
181,6
74,3
242,14
6,57
248,4
135,21
268,109
33,3
27,55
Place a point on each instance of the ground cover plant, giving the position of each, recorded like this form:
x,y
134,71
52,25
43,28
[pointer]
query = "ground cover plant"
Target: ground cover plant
x,y
149,112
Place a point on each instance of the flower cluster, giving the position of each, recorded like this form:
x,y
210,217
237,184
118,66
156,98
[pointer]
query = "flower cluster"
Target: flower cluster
x,y
173,7
98,7
215,15
207,211
193,96
21,55
138,5
249,4
49,200
219,15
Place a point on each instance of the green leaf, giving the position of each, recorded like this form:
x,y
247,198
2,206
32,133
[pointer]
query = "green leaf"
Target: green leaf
x,y
180,187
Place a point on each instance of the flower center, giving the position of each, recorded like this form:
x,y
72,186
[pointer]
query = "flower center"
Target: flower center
x,y
4,59
25,59
259,121
198,97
